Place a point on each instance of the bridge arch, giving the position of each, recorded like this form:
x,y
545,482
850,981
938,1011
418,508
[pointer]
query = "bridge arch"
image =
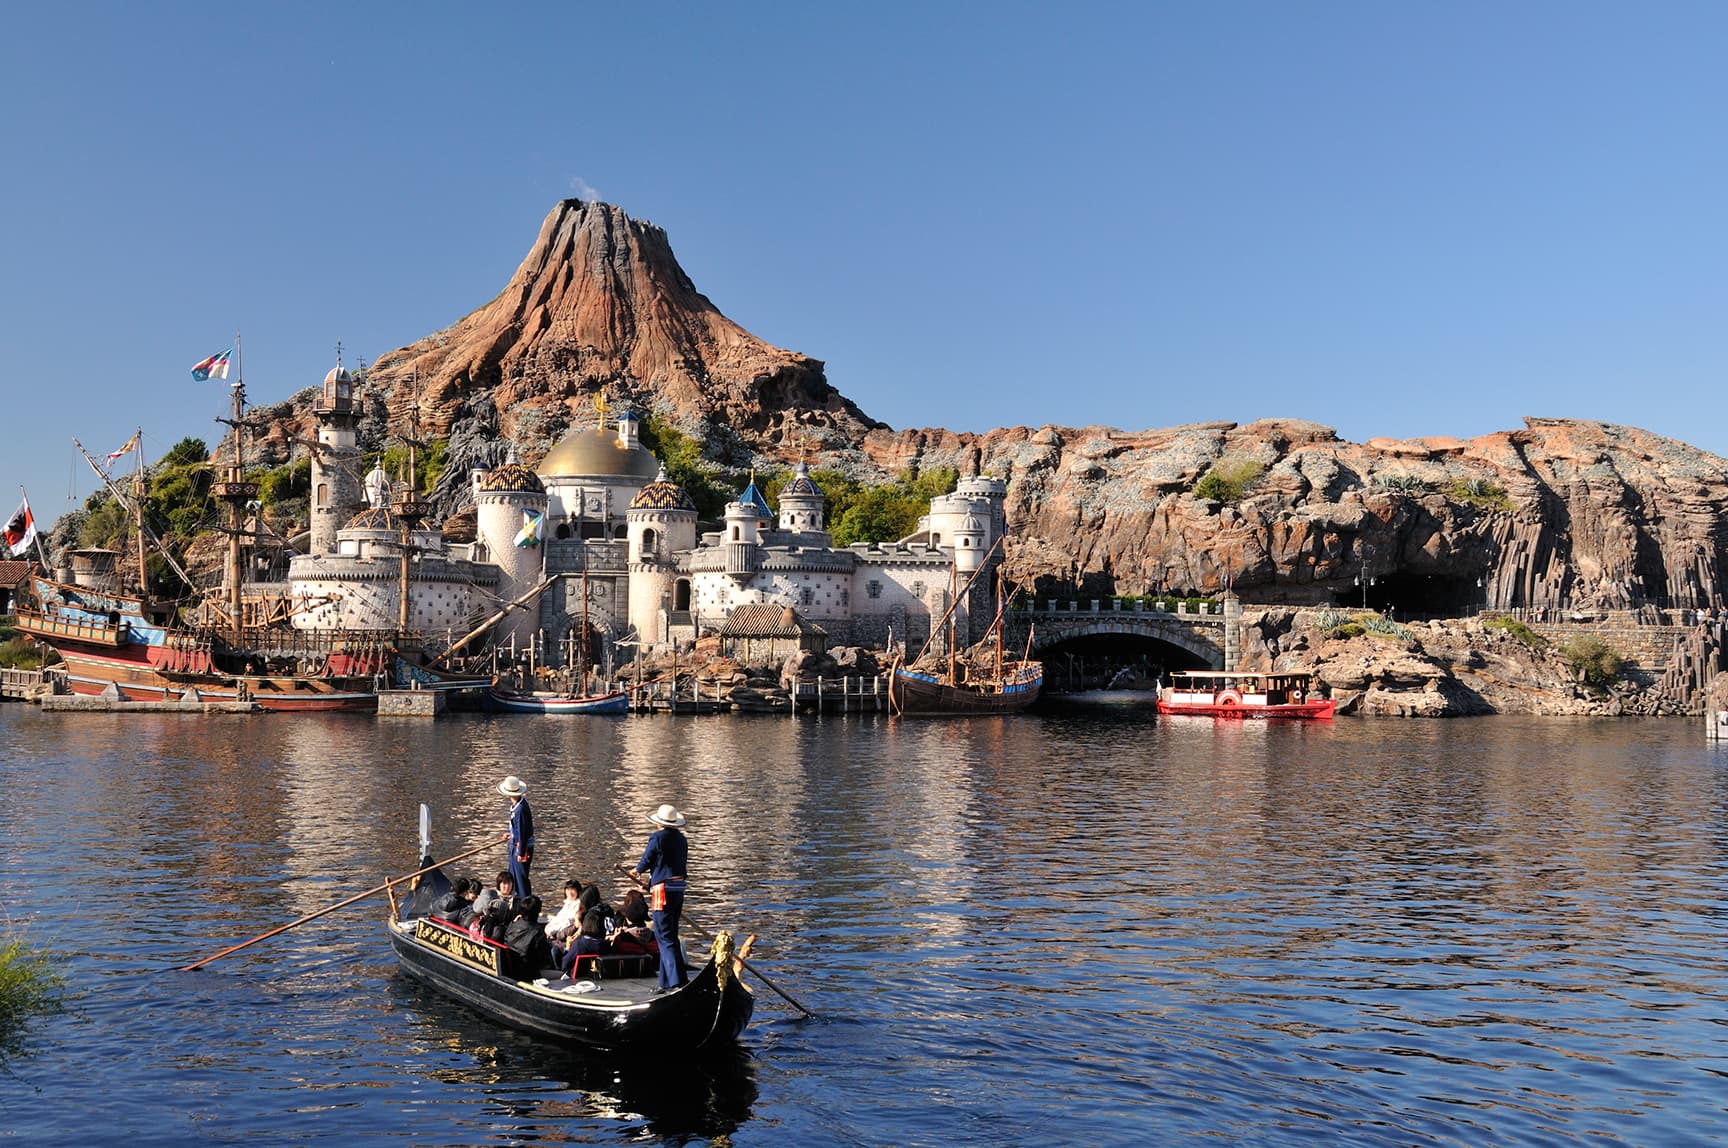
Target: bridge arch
x,y
1082,649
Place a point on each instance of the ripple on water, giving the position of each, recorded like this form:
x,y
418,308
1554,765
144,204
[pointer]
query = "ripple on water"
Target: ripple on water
x,y
1099,931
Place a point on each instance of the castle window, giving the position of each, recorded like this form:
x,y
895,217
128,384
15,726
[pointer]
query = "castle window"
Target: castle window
x,y
648,542
873,588
935,539
918,590
845,597
323,494
805,597
563,530
735,534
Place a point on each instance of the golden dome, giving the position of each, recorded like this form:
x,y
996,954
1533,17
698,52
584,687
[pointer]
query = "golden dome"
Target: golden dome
x,y
373,518
511,477
597,451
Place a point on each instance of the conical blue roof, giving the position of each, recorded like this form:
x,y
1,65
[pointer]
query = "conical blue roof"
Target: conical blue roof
x,y
753,497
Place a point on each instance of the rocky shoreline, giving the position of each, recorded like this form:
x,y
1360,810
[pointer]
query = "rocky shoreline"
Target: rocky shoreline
x,y
1447,668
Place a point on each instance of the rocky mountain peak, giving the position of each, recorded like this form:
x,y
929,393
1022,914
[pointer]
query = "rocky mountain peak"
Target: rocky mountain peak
x,y
600,305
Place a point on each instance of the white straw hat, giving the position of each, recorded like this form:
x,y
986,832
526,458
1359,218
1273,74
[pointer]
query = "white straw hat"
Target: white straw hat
x,y
512,786
668,816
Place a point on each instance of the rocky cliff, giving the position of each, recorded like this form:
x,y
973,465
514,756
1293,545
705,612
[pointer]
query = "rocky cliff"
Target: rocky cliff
x,y
1560,511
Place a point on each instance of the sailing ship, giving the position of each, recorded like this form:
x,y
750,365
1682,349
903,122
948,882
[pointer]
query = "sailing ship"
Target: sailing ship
x,y
984,683
119,642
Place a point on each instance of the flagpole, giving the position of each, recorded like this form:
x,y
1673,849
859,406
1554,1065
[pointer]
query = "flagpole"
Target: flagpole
x,y
143,565
31,514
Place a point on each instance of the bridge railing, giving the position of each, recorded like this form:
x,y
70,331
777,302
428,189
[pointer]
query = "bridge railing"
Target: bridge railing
x,y
1059,607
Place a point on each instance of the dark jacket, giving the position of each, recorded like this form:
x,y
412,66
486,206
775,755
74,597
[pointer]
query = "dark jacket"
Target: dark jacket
x,y
527,940
453,907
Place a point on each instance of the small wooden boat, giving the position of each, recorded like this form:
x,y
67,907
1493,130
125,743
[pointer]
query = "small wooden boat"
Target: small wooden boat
x,y
499,699
1010,690
621,1013
614,1012
1205,693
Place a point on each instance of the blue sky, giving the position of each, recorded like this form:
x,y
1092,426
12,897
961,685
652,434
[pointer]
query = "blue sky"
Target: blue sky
x,y
1395,218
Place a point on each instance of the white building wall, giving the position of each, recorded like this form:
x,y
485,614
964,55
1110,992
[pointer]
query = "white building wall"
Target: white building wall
x,y
498,519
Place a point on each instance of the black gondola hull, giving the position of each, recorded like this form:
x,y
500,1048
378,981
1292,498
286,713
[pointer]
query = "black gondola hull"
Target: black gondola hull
x,y
618,1015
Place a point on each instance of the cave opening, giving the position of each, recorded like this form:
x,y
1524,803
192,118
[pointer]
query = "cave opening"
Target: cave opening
x,y
1094,661
1414,595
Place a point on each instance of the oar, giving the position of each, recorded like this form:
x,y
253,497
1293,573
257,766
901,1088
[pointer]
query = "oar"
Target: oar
x,y
342,904
636,880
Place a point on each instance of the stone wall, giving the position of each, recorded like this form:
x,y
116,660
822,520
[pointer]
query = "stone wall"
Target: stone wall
x,y
1649,648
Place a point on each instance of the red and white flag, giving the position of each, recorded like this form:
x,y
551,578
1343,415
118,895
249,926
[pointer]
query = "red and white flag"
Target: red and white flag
x,y
131,445
20,530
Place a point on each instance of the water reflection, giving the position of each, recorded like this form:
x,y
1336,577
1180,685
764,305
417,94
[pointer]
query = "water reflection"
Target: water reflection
x,y
539,1092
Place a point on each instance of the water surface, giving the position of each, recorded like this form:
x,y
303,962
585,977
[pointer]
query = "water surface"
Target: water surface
x,y
1069,929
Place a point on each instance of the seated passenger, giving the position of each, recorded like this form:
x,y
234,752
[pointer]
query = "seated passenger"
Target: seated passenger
x,y
563,924
590,942
496,919
504,887
457,905
634,935
527,941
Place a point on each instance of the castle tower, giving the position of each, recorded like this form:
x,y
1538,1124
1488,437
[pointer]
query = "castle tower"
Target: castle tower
x,y
968,523
744,524
801,508
661,524
503,496
335,461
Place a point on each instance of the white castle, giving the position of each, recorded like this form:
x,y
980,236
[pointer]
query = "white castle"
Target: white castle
x,y
598,518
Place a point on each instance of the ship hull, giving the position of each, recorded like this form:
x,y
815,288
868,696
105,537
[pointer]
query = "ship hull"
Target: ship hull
x,y
913,694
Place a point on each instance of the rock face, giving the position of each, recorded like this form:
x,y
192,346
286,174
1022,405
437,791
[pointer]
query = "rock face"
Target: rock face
x,y
1456,667
1560,512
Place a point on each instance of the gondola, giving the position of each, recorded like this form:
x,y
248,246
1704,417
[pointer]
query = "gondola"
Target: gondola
x,y
599,1012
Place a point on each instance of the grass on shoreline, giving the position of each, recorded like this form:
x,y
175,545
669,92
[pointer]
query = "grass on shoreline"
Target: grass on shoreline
x,y
29,986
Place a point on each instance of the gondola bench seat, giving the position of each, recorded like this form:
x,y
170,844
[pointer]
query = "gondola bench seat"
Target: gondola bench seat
x,y
613,966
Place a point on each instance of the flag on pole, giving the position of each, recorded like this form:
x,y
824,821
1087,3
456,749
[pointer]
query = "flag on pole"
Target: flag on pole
x,y
20,530
131,445
216,365
529,535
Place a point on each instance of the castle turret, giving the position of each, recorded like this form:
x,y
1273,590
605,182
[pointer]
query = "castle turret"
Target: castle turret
x,y
662,524
335,461
744,522
801,508
969,521
509,511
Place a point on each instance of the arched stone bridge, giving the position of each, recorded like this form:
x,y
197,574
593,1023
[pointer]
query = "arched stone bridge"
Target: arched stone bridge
x,y
1208,637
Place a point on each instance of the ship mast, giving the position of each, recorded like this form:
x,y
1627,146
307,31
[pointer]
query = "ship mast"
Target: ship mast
x,y
234,490
953,601
410,510
138,488
1001,586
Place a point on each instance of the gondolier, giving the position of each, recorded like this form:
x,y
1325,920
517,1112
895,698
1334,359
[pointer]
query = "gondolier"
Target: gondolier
x,y
666,861
521,832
